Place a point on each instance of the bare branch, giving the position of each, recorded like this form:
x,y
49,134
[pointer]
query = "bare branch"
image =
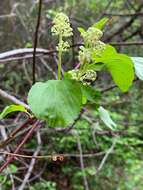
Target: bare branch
x,y
11,98
32,163
36,39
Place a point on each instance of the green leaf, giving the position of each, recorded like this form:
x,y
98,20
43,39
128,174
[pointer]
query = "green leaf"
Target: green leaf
x,y
109,50
90,93
11,109
120,66
138,64
101,23
81,30
96,66
105,117
13,168
56,101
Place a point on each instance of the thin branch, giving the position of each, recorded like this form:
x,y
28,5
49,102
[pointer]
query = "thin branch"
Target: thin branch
x,y
12,135
139,43
32,163
82,162
126,25
36,39
5,16
23,53
123,15
27,53
109,151
27,136
85,155
11,98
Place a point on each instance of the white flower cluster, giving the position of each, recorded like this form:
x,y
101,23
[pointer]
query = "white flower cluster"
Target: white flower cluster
x,y
74,74
87,78
93,45
61,25
84,55
91,36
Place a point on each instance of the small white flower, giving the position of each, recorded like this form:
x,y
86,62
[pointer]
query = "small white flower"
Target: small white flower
x,y
88,77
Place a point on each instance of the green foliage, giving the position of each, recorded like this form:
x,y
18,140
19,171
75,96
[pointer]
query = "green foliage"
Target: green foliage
x,y
44,185
59,101
121,68
5,182
90,93
101,23
123,169
119,65
56,101
11,109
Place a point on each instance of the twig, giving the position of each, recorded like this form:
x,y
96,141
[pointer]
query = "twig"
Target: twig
x,y
7,16
85,155
36,40
75,121
126,43
32,163
11,137
27,136
13,99
123,15
27,53
126,25
82,162
106,156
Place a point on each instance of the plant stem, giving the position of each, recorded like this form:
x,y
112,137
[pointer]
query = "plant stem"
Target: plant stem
x,y
59,58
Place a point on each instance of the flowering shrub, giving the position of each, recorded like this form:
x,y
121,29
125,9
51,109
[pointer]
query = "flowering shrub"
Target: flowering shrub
x,y
59,102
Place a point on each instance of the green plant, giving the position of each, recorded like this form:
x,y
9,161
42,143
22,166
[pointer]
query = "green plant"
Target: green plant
x,y
5,181
44,185
59,102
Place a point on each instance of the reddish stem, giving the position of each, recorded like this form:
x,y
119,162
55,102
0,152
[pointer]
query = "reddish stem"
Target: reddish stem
x,y
27,136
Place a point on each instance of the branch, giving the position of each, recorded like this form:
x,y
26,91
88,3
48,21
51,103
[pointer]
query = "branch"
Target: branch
x,y
23,53
7,16
27,136
36,40
126,25
32,163
26,53
109,151
72,155
82,162
124,15
126,43
12,135
13,99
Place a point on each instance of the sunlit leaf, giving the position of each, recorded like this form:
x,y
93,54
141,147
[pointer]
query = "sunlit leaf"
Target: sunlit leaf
x,y
11,109
101,23
120,66
81,30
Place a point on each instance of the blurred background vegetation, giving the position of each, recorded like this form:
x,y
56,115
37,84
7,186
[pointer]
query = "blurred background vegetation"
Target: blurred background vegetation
x,y
90,141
